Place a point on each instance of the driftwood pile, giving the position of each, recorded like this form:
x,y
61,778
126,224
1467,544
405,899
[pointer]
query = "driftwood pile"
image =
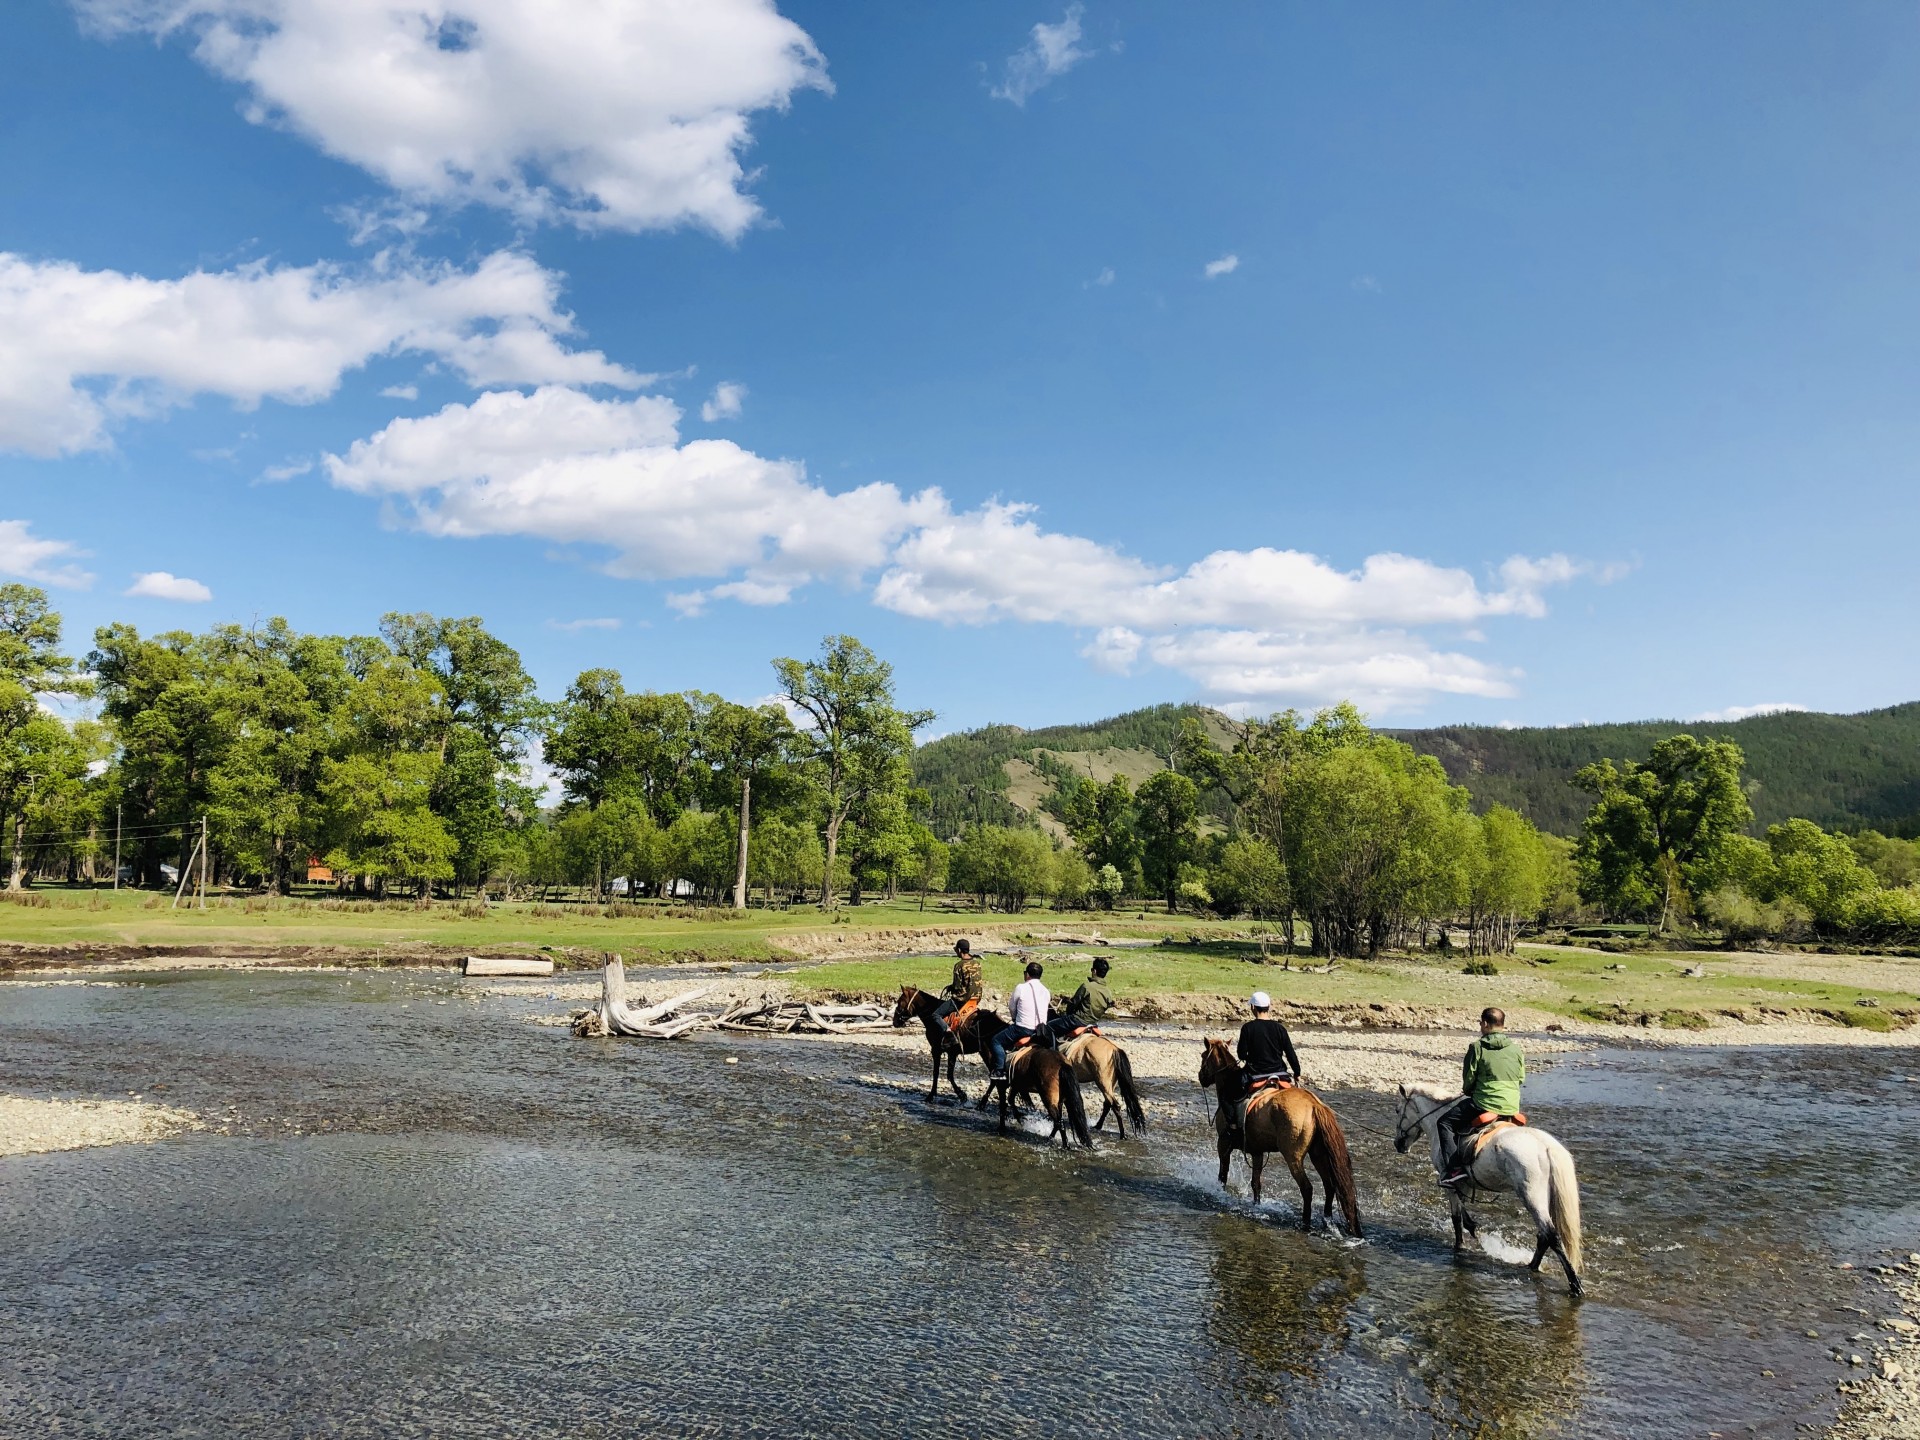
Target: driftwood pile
x,y
673,1017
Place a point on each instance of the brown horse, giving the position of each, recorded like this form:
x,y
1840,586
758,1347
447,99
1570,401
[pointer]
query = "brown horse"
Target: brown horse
x,y
1296,1123
972,1038
1099,1061
1039,1072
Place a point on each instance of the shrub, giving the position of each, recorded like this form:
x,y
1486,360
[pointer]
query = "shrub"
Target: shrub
x,y
1479,967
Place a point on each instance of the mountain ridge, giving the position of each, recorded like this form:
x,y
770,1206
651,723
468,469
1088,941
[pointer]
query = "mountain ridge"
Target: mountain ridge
x,y
1852,771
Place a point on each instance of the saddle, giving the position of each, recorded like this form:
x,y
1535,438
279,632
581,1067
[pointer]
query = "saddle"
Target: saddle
x,y
957,1021
1490,1126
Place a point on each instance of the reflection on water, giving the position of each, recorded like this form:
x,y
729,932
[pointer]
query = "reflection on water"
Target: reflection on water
x,y
434,1218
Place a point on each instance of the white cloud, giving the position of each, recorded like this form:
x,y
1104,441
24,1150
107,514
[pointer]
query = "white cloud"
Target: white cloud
x,y
25,556
1114,650
617,114
1252,625
1050,51
280,474
82,348
1747,712
604,622
1104,278
725,402
1367,285
1225,265
567,467
402,392
159,585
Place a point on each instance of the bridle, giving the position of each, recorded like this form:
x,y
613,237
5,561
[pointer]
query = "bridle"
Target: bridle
x,y
1403,1133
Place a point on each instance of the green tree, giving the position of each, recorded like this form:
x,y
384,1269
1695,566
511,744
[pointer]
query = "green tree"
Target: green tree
x,y
744,745
858,745
1005,866
1166,817
1509,870
1660,833
1249,878
1816,870
1100,820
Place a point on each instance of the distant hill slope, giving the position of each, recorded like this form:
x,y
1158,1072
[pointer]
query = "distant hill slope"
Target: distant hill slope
x,y
1851,772
1843,771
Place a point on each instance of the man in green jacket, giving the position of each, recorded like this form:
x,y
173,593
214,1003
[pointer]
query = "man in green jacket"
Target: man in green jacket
x,y
1490,1077
1090,1004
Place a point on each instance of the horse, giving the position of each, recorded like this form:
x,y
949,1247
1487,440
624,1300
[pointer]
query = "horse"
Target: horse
x,y
1098,1061
1040,1072
1521,1159
1295,1122
971,1038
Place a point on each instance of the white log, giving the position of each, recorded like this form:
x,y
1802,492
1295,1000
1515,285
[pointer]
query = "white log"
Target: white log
x,y
505,965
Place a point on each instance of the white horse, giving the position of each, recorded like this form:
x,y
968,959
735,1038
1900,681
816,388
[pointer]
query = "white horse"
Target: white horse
x,y
1520,1159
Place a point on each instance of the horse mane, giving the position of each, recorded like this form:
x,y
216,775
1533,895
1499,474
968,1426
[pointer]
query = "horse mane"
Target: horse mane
x,y
1434,1092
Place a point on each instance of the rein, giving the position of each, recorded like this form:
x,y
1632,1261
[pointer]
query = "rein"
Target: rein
x,y
1403,1134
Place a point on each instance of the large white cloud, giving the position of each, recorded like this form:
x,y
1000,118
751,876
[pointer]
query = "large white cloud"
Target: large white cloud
x,y
30,557
79,348
1248,627
567,467
629,114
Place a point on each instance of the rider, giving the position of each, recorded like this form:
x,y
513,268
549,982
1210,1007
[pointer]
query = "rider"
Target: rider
x,y
1491,1077
1265,1049
1090,1004
1027,1017
963,991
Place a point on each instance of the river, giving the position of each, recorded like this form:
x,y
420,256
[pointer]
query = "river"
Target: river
x,y
432,1217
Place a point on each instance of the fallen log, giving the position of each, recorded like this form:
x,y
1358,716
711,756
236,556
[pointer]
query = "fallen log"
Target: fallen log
x,y
478,965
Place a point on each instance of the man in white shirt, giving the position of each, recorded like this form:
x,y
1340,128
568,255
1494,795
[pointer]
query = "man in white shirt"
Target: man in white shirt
x,y
1027,1016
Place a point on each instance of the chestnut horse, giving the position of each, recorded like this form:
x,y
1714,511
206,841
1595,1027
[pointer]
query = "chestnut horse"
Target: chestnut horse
x,y
1039,1072
1293,1121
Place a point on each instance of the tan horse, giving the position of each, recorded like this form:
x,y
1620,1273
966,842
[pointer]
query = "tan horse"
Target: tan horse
x,y
1293,1122
1098,1061
1037,1072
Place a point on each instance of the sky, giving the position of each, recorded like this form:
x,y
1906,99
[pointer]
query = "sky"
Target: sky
x,y
1504,364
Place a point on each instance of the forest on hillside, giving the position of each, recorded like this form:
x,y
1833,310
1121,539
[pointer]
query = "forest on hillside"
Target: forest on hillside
x,y
1843,772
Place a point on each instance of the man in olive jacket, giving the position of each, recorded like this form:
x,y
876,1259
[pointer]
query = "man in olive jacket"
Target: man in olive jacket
x,y
1490,1077
1090,1004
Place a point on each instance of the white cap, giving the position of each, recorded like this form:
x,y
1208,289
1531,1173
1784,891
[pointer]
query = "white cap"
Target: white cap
x,y
1261,1000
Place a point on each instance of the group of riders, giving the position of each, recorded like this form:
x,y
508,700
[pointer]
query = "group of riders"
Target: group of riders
x,y
1491,1073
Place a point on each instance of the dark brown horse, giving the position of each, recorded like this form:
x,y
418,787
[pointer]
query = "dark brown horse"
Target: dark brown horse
x,y
1038,1072
972,1038
1294,1121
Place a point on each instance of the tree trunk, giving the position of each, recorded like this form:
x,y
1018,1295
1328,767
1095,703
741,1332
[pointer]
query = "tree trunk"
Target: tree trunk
x,y
740,871
827,896
16,872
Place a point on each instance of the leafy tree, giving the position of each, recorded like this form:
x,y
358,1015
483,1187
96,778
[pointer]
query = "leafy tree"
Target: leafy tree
x,y
1248,878
1004,865
592,741
1816,870
1109,886
926,863
1072,880
1100,819
1166,816
1895,863
1660,832
1509,869
859,744
742,745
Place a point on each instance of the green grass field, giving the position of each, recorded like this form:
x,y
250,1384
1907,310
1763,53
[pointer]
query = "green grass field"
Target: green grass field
x,y
1197,958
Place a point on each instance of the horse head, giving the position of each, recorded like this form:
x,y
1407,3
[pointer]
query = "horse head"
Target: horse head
x,y
903,1011
1216,1060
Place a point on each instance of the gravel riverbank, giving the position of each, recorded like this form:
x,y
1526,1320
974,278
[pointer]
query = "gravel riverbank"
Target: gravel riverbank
x,y
29,1127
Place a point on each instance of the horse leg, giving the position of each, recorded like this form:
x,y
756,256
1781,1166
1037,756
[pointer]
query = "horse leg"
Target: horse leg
x,y
1226,1157
934,1093
1574,1287
1258,1160
1110,1100
952,1083
1461,1222
1306,1193
1540,1248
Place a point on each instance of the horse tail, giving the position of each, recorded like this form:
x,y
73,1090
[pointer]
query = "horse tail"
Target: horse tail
x,y
1075,1107
1123,1082
1328,1151
1563,1202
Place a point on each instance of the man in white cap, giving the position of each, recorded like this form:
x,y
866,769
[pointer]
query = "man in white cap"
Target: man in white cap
x,y
1265,1049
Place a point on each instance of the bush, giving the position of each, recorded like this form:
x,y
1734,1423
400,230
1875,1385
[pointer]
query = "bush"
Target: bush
x,y
1683,1020
1479,967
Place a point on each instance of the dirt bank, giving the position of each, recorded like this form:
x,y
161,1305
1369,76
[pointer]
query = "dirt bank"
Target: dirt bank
x,y
33,1126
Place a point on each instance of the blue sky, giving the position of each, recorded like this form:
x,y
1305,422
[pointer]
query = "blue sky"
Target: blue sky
x,y
1564,368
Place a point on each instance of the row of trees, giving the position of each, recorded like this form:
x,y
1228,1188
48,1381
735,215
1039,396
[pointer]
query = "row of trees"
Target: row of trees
x,y
402,759
1665,841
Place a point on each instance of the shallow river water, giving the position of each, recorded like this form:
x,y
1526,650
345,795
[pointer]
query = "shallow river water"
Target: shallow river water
x,y
434,1218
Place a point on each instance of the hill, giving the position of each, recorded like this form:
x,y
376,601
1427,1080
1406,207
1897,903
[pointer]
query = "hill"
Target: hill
x,y
1849,772
1846,772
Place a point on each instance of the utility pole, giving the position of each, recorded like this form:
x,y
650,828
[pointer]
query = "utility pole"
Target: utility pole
x,y
203,862
15,880
116,847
